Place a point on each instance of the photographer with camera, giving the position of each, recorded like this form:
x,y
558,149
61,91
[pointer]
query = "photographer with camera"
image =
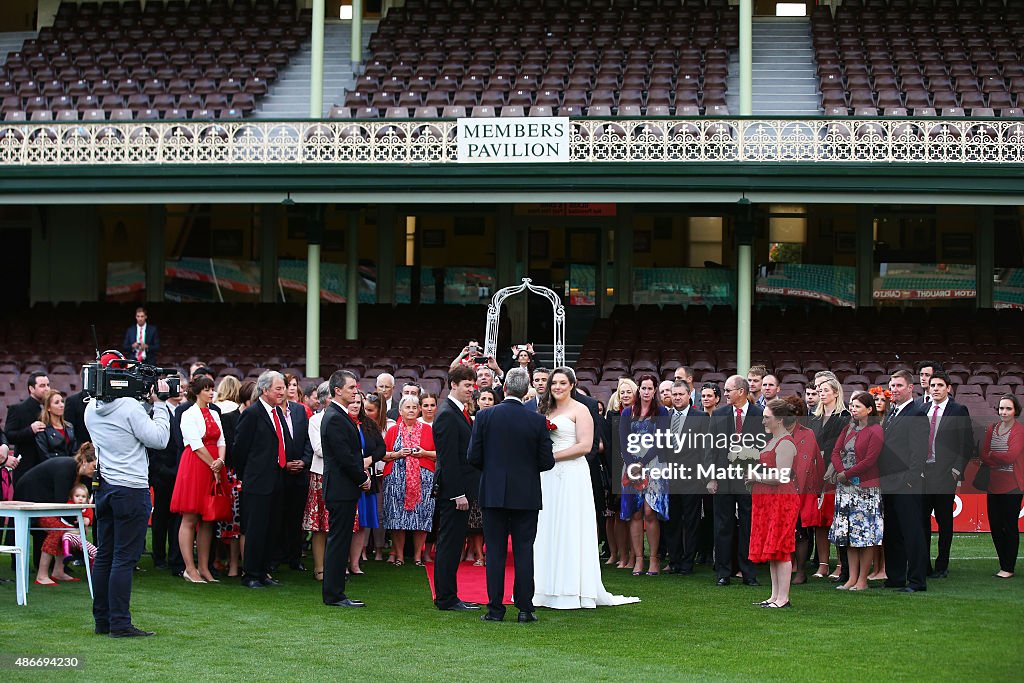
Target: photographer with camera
x,y
472,355
122,430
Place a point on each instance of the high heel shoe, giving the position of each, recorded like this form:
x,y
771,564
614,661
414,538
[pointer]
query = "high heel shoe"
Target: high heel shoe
x,y
836,573
822,570
188,578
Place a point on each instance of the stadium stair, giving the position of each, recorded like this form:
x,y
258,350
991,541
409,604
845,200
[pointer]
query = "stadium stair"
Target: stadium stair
x,y
289,96
12,42
785,83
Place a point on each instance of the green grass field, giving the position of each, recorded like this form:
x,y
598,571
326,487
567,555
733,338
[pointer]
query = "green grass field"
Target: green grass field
x,y
966,626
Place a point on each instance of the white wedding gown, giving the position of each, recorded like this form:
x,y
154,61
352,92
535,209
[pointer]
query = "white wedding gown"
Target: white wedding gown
x,y
566,566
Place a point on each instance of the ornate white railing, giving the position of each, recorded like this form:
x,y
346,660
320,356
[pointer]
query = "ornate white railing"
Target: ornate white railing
x,y
853,140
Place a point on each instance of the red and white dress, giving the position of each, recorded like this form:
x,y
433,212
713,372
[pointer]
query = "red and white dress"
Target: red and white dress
x,y
200,427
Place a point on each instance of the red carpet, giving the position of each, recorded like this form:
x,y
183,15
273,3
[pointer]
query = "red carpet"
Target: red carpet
x,y
473,581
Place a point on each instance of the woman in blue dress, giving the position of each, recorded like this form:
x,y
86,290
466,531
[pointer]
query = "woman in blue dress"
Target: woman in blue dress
x,y
644,501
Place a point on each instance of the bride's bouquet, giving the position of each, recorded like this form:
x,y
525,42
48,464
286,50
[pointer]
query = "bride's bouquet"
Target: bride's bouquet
x,y
745,457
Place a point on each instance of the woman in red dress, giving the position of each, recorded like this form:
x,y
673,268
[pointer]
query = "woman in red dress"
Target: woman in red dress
x,y
202,464
775,502
808,470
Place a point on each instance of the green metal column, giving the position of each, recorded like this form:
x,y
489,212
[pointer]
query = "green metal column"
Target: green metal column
x,y
986,256
270,215
386,254
865,256
744,284
316,72
314,236
746,58
357,33
624,256
157,218
352,276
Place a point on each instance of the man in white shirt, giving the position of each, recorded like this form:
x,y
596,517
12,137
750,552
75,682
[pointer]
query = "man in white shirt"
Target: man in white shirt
x,y
386,388
141,340
681,530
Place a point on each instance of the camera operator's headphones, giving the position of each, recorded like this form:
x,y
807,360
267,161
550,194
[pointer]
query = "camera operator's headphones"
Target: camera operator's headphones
x,y
112,358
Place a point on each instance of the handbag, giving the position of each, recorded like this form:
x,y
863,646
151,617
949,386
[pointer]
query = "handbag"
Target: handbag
x,y
981,479
217,506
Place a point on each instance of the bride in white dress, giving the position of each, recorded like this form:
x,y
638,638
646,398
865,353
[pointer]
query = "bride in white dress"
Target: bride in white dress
x,y
567,569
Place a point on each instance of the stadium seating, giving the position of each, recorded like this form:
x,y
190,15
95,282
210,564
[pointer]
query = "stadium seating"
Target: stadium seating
x,y
570,57
194,60
921,56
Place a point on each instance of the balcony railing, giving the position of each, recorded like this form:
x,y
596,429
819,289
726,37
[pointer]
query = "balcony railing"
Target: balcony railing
x,y
844,140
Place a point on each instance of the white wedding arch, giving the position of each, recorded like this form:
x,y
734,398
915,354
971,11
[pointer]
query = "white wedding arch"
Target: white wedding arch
x,y
494,317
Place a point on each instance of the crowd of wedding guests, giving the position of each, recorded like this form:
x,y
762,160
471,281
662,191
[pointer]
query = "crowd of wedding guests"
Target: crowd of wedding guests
x,y
240,489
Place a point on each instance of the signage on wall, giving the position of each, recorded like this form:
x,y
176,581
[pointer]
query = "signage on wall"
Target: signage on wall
x,y
525,140
577,209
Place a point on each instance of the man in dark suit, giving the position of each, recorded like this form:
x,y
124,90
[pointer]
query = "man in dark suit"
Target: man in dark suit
x,y
540,385
74,412
511,446
386,388
141,340
925,370
23,424
344,480
901,478
736,422
163,472
299,457
681,529
950,446
457,482
259,459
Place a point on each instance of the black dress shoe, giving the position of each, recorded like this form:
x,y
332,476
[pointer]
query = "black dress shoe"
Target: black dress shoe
x,y
461,606
297,566
527,617
491,617
252,583
750,582
159,564
943,574
908,589
347,602
684,571
270,581
102,630
724,581
131,632
893,585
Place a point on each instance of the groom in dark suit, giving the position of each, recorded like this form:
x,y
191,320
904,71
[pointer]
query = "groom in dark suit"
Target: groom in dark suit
x,y
511,446
344,480
456,483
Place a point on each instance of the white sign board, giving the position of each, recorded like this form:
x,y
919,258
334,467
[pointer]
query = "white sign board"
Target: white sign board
x,y
514,140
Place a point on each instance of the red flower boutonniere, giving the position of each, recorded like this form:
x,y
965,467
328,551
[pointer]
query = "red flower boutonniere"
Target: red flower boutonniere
x,y
551,425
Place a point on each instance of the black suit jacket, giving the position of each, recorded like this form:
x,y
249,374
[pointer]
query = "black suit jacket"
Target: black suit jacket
x,y
954,446
696,425
49,482
595,415
455,476
255,451
152,340
901,462
163,463
298,447
511,446
74,412
19,434
343,456
724,423
532,405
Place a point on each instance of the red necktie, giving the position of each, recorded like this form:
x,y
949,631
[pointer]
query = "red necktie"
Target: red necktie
x,y
141,340
739,420
931,434
465,412
280,439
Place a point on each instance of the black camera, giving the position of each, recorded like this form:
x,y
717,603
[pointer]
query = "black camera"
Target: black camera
x,y
127,378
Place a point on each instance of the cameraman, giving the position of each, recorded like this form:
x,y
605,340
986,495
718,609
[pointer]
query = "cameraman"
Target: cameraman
x,y
121,431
